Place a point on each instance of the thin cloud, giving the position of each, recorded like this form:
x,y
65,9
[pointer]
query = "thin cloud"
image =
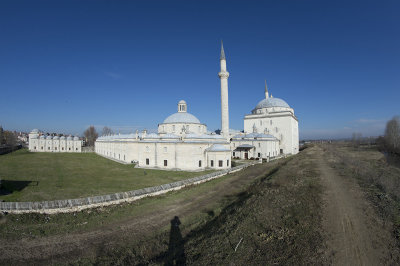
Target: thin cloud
x,y
369,121
113,75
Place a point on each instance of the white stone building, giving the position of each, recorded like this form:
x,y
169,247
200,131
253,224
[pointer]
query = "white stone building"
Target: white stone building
x,y
180,144
254,145
41,143
273,116
182,141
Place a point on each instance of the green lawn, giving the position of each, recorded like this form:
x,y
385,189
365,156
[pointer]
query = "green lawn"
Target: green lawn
x,y
49,176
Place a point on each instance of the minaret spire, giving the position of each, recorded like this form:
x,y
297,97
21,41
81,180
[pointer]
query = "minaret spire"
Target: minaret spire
x,y
223,76
266,90
222,52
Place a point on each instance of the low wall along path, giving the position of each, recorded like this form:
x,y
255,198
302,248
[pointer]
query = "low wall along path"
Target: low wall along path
x,y
73,205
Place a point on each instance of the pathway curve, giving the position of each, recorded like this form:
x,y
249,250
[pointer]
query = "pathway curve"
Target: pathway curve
x,y
354,234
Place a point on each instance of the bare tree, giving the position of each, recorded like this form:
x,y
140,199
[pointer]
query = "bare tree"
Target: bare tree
x,y
90,135
106,131
1,135
392,135
10,138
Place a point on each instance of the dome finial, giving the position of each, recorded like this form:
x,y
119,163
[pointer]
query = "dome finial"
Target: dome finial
x,y
266,90
222,51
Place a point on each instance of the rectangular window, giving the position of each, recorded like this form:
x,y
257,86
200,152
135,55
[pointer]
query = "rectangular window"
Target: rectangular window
x,y
220,163
233,154
165,162
147,161
69,149
259,145
200,163
62,148
227,162
42,147
76,149
212,163
55,148
259,154
124,157
34,148
48,148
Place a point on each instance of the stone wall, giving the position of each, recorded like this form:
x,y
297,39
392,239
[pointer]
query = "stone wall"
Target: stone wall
x,y
72,205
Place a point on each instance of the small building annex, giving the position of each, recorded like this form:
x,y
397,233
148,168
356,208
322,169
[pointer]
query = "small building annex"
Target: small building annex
x,y
39,142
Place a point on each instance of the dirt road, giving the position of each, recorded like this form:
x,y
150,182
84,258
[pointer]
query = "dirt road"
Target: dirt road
x,y
354,234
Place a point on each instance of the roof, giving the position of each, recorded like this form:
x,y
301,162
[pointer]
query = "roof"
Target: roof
x,y
217,147
272,102
35,130
181,117
253,136
76,138
203,136
245,146
170,136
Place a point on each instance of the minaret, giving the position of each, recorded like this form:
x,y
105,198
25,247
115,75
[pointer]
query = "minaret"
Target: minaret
x,y
266,90
223,75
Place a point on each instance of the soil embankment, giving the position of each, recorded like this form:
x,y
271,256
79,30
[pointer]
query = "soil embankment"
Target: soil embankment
x,y
297,211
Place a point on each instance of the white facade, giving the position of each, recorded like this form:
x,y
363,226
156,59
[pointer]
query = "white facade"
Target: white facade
x,y
190,152
254,145
274,116
42,143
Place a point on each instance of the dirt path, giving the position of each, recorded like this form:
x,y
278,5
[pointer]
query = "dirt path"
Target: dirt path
x,y
62,248
354,234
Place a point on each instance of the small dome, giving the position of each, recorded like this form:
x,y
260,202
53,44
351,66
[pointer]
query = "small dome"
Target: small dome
x,y
42,137
272,102
76,138
217,147
182,102
55,137
62,138
35,130
69,138
49,137
181,118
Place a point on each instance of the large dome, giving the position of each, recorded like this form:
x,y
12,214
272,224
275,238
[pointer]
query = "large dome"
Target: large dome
x,y
272,102
181,117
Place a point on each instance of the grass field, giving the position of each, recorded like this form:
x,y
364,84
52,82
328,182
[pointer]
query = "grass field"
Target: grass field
x,y
30,176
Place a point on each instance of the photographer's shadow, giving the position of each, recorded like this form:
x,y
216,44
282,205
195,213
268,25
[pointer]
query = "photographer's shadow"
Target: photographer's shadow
x,y
176,249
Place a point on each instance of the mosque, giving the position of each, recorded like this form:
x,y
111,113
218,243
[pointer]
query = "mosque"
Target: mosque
x,y
183,142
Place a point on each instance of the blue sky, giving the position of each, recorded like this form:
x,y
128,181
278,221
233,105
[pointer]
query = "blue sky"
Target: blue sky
x,y
65,65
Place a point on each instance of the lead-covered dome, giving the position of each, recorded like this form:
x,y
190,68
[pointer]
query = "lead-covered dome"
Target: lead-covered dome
x,y
272,102
181,118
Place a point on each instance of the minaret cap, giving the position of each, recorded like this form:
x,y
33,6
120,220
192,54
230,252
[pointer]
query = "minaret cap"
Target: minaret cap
x,y
222,52
266,90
